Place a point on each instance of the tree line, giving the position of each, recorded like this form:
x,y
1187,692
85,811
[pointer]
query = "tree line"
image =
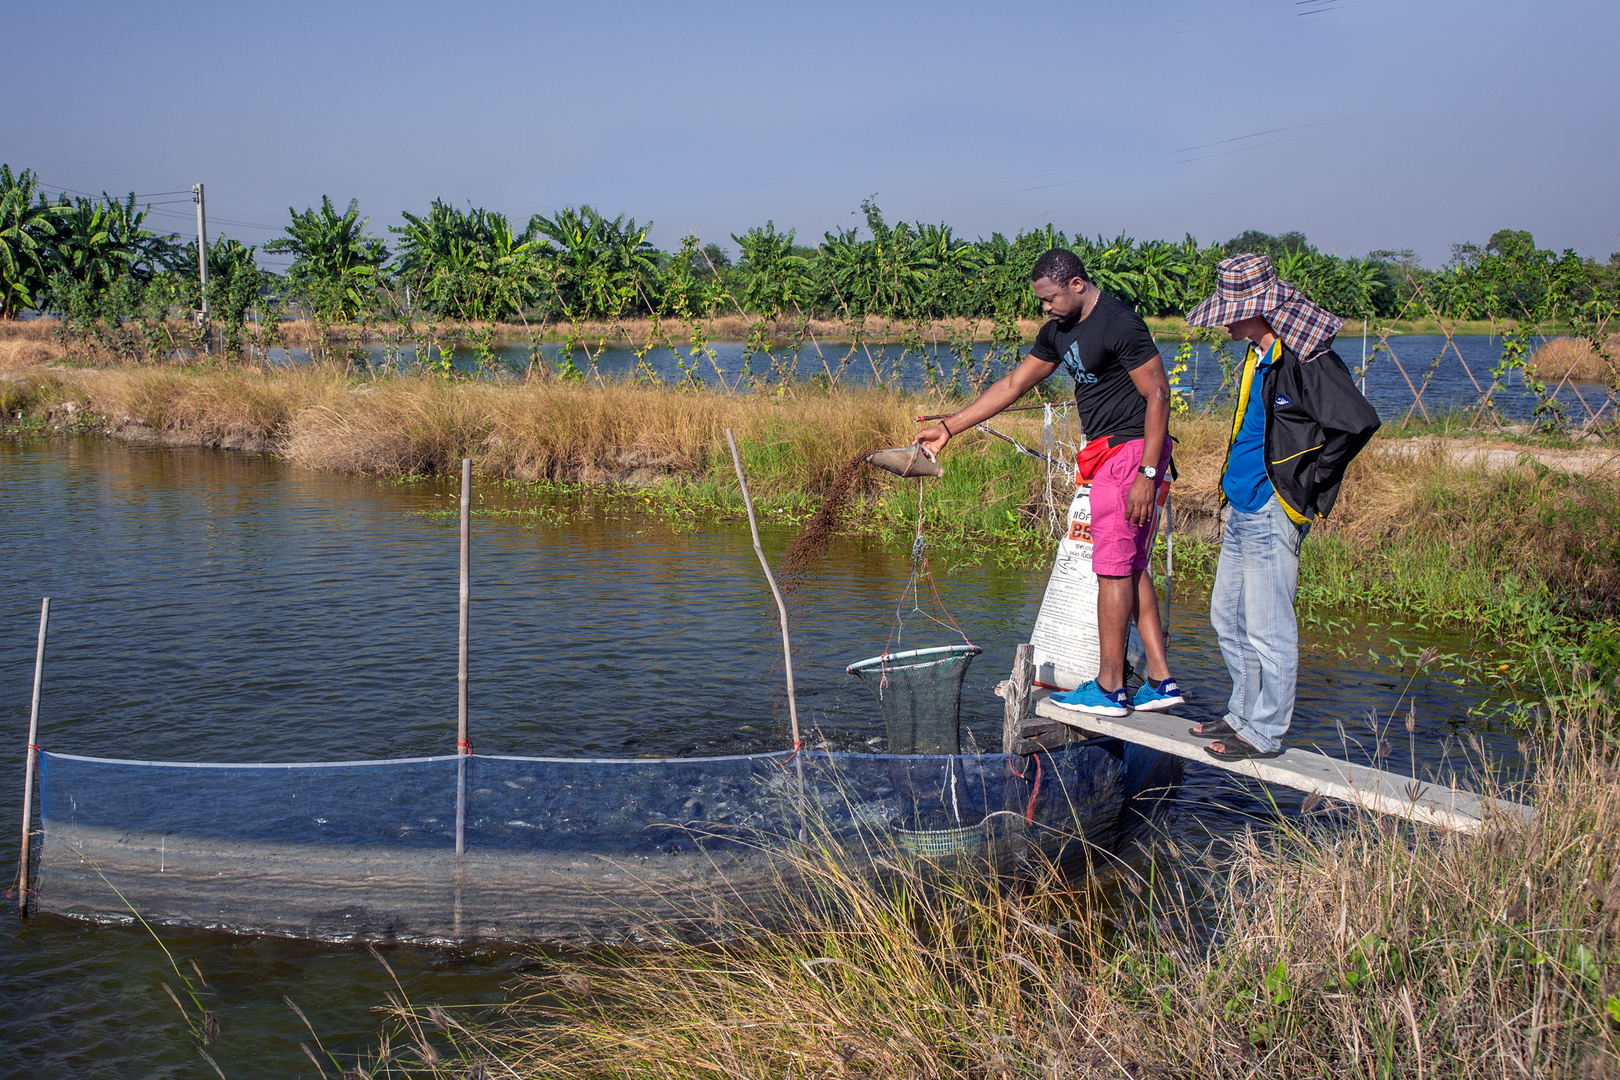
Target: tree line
x,y
90,260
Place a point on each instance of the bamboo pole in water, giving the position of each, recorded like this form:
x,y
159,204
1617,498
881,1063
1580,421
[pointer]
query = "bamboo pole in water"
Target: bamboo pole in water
x,y
782,615
33,751
463,743
1363,357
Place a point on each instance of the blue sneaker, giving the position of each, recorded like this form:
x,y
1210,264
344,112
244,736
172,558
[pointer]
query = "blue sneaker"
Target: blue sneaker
x,y
1150,698
1093,699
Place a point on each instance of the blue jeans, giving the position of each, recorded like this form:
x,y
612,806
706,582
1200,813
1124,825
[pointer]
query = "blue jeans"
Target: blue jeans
x,y
1252,610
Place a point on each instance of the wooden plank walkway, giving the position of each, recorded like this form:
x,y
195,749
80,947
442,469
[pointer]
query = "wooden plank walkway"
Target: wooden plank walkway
x,y
1033,723
1306,770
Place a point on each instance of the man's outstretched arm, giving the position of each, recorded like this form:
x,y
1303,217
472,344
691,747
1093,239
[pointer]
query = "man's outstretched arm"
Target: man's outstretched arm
x,y
997,396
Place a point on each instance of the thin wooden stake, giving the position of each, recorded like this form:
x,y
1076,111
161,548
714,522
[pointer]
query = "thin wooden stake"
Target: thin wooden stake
x,y
781,613
463,744
1363,357
1169,564
1018,706
33,751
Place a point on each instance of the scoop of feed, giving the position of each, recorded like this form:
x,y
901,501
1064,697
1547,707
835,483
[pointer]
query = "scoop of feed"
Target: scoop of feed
x,y
906,461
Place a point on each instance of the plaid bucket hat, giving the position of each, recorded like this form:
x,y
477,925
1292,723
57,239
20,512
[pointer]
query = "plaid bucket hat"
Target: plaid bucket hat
x,y
1247,285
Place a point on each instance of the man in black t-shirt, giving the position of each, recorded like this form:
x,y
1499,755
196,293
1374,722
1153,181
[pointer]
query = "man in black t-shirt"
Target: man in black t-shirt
x,y
1123,399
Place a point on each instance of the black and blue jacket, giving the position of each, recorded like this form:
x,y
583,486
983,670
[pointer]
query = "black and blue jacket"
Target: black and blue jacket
x,y
1316,422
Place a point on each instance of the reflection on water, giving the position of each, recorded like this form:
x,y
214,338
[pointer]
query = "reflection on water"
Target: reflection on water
x,y
216,606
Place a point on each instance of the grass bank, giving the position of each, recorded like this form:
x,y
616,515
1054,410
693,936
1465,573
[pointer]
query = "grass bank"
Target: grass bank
x,y
1332,944
1526,553
1576,360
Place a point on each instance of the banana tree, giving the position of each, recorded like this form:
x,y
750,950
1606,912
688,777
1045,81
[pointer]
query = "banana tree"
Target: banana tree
x,y
466,264
773,277
26,227
99,241
335,263
1113,265
604,267
848,270
1343,286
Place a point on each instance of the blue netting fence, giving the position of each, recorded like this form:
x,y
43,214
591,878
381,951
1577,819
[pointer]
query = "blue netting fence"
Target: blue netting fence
x,y
551,850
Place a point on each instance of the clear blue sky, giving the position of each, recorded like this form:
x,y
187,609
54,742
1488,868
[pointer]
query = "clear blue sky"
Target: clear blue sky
x,y
1365,123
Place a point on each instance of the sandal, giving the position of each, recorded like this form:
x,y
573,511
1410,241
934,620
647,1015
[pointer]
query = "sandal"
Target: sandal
x,y
1237,748
1212,729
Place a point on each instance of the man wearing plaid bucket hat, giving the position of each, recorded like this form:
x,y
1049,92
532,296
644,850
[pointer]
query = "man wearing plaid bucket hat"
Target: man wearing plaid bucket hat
x,y
1299,421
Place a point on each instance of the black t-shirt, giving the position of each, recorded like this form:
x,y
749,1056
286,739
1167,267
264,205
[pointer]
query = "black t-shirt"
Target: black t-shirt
x,y
1099,352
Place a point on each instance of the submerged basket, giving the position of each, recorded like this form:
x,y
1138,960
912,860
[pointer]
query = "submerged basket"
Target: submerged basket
x,y
920,695
939,843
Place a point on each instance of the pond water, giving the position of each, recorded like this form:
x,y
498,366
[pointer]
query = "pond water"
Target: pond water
x,y
1449,379
228,607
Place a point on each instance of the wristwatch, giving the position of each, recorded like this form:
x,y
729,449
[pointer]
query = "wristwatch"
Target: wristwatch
x,y
1148,471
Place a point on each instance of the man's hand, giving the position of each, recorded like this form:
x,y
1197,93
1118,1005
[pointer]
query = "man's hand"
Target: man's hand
x,y
1139,502
932,439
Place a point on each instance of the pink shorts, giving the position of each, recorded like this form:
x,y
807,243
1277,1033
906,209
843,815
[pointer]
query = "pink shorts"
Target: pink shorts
x,y
1118,548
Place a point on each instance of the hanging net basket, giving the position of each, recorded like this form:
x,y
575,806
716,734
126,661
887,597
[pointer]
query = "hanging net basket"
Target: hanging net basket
x,y
920,695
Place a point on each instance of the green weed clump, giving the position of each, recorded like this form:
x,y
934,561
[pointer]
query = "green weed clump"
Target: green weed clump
x,y
1336,944
18,397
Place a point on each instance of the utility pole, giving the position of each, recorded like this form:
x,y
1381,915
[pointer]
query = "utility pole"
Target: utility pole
x,y
202,247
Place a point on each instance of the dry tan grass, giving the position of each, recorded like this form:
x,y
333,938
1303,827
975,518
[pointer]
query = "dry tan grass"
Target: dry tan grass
x,y
1576,360
321,418
25,352
1376,497
27,329
244,403
572,431
1337,947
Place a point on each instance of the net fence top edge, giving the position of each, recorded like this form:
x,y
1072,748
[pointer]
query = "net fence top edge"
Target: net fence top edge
x,y
245,764
89,759
775,755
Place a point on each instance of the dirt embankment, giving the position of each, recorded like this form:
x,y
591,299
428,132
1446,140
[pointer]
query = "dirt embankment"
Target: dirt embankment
x,y
1497,455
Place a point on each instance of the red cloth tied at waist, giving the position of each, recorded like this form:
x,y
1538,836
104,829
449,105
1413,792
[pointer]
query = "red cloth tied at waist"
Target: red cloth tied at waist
x,y
1093,456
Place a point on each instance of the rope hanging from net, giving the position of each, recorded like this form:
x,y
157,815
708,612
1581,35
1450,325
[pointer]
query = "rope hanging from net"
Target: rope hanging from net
x,y
920,570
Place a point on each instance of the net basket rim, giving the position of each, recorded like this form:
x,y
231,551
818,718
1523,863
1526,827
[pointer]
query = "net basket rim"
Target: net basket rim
x,y
887,660
944,841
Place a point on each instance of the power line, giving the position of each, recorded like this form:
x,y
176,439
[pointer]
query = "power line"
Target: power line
x,y
220,220
13,148
156,206
251,224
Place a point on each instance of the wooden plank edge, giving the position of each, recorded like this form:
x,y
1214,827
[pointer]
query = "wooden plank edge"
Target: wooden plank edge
x,y
1435,804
